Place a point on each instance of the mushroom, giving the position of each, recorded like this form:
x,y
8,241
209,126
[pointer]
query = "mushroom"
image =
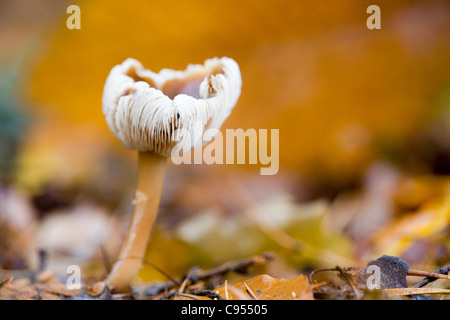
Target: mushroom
x,y
156,114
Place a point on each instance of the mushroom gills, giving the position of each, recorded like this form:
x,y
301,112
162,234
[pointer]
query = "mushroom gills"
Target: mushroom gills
x,y
189,85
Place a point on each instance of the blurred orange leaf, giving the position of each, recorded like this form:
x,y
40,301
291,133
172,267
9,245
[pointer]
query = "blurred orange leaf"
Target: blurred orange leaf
x,y
430,220
264,287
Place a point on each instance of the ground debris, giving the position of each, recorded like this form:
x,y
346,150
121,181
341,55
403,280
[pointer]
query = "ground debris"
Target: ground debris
x,y
445,270
44,285
197,280
382,279
392,271
264,287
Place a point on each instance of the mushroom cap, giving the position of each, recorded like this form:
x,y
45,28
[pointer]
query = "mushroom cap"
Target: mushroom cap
x,y
158,112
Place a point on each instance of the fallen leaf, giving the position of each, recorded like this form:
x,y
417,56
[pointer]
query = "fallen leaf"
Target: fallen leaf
x,y
96,289
44,276
429,220
20,289
56,287
48,296
264,287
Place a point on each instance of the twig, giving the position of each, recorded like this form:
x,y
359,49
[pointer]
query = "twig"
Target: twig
x,y
419,273
184,295
226,291
444,270
208,293
164,273
415,291
249,291
346,269
166,295
231,266
344,275
184,283
349,281
411,272
5,281
318,285
197,275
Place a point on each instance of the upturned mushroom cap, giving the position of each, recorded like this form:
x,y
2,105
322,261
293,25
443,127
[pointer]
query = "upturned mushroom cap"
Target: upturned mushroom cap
x,y
144,109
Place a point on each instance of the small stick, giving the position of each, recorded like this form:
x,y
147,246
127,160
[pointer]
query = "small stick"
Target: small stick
x,y
346,269
197,275
226,290
184,283
249,291
318,285
427,274
5,281
349,280
185,295
415,291
164,273
444,270
151,264
344,276
231,266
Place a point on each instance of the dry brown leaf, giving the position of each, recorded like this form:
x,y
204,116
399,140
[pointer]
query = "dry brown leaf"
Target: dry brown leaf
x,y
265,287
27,293
20,289
44,276
19,283
96,289
5,281
56,287
48,296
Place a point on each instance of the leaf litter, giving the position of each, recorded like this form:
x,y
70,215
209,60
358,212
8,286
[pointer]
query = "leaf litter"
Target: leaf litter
x,y
212,284
313,249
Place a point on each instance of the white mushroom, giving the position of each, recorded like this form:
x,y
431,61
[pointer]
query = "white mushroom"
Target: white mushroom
x,y
155,113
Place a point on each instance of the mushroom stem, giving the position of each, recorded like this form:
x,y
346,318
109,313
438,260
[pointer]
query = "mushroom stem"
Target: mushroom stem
x,y
151,170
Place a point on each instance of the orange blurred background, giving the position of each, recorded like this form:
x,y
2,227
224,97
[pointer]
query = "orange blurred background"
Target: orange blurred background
x,y
342,96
